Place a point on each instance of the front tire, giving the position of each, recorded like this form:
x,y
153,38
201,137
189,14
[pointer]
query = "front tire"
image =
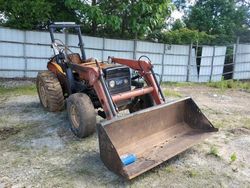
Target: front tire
x,y
81,113
50,91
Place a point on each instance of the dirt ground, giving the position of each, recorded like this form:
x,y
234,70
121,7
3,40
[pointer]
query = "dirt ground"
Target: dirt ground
x,y
37,148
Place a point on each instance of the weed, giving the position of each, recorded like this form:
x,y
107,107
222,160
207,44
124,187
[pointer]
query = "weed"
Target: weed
x,y
21,90
171,93
233,157
179,84
191,173
247,123
169,169
230,84
214,151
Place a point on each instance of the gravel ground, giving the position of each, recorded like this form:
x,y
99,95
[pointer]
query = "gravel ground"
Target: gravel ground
x,y
39,150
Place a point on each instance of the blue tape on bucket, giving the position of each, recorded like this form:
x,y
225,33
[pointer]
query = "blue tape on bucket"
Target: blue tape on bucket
x,y
128,159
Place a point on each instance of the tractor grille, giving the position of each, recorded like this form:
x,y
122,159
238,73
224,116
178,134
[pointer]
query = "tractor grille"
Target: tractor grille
x,y
119,76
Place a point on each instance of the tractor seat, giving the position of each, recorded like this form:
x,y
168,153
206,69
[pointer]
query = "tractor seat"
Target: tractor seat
x,y
75,58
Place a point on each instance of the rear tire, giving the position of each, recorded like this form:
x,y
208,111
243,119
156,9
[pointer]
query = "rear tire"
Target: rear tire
x,y
140,103
81,113
49,91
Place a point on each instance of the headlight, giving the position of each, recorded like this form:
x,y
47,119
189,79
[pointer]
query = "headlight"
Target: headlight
x,y
125,81
112,83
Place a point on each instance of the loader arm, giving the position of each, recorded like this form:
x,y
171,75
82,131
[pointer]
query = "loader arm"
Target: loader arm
x,y
145,70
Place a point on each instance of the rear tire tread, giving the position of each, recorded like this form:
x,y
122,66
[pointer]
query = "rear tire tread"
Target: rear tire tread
x,y
53,91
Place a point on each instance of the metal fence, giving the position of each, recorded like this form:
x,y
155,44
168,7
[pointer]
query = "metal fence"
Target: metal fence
x,y
24,53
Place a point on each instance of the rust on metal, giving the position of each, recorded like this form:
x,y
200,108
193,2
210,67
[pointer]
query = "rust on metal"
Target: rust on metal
x,y
131,94
153,135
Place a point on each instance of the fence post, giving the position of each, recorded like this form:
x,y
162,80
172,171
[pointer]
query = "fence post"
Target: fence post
x,y
235,54
103,47
66,37
212,65
189,61
162,63
25,55
135,49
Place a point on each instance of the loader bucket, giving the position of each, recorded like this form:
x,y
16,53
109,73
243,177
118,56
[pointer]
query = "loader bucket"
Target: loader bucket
x,y
151,136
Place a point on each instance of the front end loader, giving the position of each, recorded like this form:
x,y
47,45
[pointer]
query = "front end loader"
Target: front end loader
x,y
132,144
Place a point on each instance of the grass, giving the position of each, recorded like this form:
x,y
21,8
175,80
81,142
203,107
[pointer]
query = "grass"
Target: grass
x,y
20,90
214,151
169,169
230,84
192,173
223,85
179,84
171,93
247,123
233,157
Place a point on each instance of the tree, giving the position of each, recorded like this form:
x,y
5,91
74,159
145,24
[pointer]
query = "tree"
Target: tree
x,y
125,19
34,14
218,17
178,24
25,14
184,36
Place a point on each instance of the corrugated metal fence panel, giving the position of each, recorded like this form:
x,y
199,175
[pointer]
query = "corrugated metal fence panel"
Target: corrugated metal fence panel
x,y
218,63
38,37
153,51
9,64
121,45
175,63
39,51
127,55
118,48
175,59
206,62
149,47
242,62
12,54
156,60
92,42
12,74
11,35
11,49
193,72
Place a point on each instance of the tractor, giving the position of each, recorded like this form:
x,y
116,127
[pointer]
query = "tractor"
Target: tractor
x,y
130,144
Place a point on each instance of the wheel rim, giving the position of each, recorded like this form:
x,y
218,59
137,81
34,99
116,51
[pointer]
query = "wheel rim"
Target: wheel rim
x,y
43,96
74,116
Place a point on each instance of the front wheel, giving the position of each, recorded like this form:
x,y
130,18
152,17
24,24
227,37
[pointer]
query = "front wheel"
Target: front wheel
x,y
81,113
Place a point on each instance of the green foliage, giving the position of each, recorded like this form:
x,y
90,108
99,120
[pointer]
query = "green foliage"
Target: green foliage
x,y
223,18
171,93
214,151
192,173
33,14
21,90
230,84
25,14
178,24
186,36
207,22
125,19
246,123
233,157
169,169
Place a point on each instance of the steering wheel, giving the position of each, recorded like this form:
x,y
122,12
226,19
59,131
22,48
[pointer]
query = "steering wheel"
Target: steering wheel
x,y
61,47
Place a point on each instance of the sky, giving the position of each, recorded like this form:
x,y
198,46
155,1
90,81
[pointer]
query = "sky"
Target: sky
x,y
178,14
